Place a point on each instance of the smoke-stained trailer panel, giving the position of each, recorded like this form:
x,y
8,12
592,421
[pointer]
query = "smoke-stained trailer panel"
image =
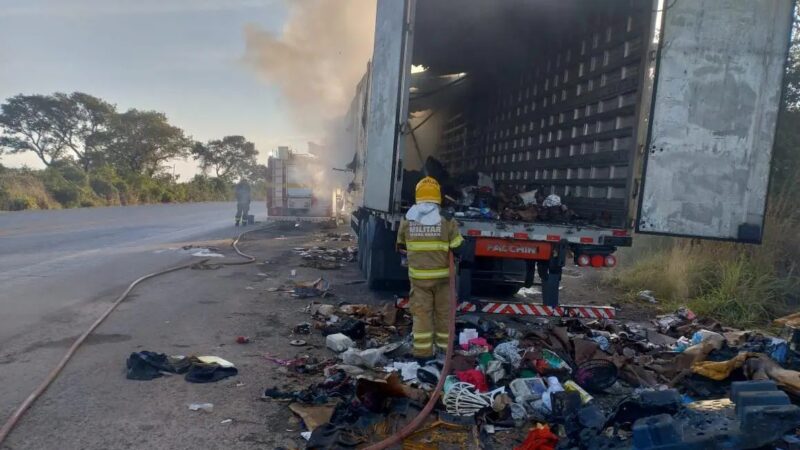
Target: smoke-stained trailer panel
x,y
388,102
718,88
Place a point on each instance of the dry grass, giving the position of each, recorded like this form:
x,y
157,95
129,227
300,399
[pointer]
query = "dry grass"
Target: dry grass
x,y
740,285
19,191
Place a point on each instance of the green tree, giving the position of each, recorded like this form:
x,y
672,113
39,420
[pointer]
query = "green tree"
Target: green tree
x,y
257,172
80,121
230,157
28,125
141,141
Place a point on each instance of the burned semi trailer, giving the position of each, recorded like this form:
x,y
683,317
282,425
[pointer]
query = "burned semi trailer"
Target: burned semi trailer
x,y
632,114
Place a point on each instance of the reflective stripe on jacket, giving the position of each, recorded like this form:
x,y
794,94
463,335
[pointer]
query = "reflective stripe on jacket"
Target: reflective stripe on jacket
x,y
428,247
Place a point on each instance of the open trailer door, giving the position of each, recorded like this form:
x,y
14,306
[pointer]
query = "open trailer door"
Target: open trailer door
x,y
717,95
388,102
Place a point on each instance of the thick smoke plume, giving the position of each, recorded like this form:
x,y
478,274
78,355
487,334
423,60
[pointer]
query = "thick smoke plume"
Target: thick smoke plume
x,y
317,59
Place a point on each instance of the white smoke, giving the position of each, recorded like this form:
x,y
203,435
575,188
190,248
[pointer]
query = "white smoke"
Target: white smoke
x,y
317,59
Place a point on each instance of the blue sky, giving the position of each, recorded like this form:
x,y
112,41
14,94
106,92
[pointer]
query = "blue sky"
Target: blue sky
x,y
181,57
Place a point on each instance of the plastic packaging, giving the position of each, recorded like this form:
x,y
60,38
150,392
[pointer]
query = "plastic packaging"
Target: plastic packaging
x,y
682,344
526,389
554,361
705,335
370,358
602,342
495,371
408,370
207,407
338,342
646,296
778,350
465,336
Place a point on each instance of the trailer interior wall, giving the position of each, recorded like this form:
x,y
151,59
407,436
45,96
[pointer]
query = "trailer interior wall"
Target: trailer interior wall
x,y
552,97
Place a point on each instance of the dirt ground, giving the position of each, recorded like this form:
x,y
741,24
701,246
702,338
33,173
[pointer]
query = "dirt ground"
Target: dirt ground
x,y
93,406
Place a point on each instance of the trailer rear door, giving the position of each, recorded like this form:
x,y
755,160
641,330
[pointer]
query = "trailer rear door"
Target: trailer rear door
x,y
388,102
717,95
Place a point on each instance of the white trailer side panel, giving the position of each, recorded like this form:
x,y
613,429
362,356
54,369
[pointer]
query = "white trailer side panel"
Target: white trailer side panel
x,y
390,69
718,90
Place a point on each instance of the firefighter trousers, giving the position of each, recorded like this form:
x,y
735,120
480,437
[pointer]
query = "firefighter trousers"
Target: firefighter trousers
x,y
430,308
242,209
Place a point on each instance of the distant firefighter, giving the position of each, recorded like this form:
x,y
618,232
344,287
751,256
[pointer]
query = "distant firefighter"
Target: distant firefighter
x,y
242,202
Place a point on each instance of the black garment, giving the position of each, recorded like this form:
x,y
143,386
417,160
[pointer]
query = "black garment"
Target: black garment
x,y
147,365
209,373
352,328
330,436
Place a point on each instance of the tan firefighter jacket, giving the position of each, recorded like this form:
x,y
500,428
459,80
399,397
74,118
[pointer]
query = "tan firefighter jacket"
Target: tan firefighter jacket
x,y
428,247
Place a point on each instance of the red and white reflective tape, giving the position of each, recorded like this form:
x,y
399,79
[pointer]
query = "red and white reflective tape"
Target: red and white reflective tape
x,y
402,302
529,309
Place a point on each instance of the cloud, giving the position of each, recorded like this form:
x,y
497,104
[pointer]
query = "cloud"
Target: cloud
x,y
317,59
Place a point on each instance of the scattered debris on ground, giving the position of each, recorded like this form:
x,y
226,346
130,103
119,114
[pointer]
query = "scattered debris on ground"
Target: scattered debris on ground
x,y
324,258
679,381
546,383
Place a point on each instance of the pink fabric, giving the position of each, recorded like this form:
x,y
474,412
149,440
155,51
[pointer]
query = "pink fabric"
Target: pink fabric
x,y
479,342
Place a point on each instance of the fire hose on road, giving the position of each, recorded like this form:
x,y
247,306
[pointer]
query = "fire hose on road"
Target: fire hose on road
x,y
12,421
248,259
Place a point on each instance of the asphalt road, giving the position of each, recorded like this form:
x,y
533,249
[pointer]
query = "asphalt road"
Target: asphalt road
x,y
51,261
60,269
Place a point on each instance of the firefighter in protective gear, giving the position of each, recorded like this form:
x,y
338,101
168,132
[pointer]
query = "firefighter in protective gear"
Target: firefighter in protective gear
x,y
427,239
242,201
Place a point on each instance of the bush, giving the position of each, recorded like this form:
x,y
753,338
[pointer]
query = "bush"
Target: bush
x,y
70,172
69,196
65,185
22,203
21,189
